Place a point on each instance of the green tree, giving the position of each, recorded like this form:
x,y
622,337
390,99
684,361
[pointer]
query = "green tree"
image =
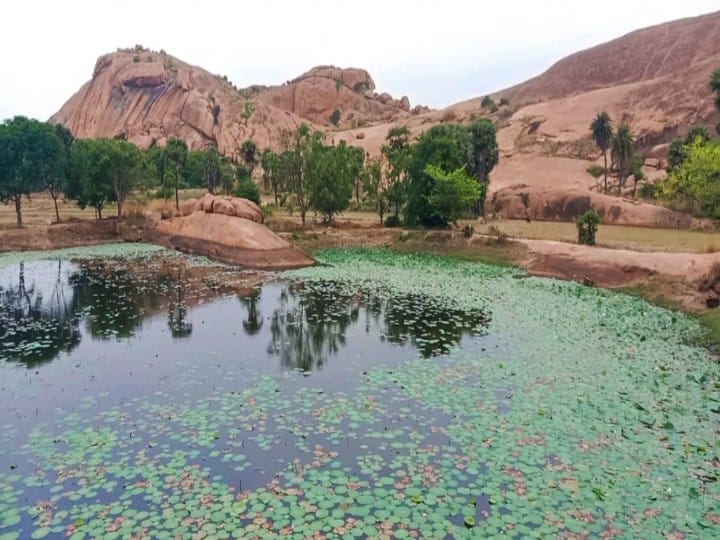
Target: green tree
x,y
356,160
453,193
30,154
329,173
227,175
375,186
446,146
88,182
211,170
245,187
587,226
623,153
483,137
122,169
176,151
715,87
695,184
271,172
602,133
249,154
59,172
294,166
194,169
677,151
397,152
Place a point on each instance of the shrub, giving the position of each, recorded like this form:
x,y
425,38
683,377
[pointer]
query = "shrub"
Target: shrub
x,y
136,59
587,226
488,103
392,221
504,102
335,117
247,189
468,231
647,191
596,171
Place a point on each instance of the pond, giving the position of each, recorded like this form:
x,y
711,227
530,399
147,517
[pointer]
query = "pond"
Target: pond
x,y
146,394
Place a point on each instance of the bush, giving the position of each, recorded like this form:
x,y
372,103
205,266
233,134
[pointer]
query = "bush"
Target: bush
x,y
247,189
488,103
468,231
335,117
587,226
136,59
504,102
392,221
647,191
596,171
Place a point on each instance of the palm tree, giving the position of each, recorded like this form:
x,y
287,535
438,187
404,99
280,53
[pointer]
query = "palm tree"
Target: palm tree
x,y
602,134
623,153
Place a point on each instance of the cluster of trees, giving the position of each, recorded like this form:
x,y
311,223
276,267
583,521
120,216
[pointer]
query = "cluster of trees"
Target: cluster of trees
x,y
36,156
693,182
625,159
430,182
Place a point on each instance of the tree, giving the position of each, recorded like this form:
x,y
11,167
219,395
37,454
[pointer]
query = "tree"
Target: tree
x,y
245,187
375,186
695,184
446,146
57,175
356,161
211,170
88,182
397,153
249,153
602,133
30,154
194,169
453,193
483,137
678,148
175,155
623,153
227,175
122,169
587,226
294,165
330,172
271,176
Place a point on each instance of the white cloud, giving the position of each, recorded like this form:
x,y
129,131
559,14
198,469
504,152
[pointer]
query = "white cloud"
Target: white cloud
x,y
435,52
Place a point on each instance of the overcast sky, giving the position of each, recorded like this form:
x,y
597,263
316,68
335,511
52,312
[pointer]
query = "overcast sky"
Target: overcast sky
x,y
435,52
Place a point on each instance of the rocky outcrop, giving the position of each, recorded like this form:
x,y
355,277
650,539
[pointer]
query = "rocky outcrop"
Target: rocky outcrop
x,y
146,97
229,230
317,94
567,204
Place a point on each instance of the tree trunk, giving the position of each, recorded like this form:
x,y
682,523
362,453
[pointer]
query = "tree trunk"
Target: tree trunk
x,y
99,212
18,210
275,191
302,217
119,204
54,194
606,171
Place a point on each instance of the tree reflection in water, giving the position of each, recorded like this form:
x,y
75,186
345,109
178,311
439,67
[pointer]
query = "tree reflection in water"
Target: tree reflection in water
x,y
253,322
311,323
35,327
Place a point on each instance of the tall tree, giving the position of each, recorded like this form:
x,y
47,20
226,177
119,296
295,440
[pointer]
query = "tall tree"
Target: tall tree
x,y
211,170
175,154
397,154
453,194
293,165
123,169
483,137
88,180
329,174
249,153
58,174
623,154
602,133
30,151
446,146
375,186
269,162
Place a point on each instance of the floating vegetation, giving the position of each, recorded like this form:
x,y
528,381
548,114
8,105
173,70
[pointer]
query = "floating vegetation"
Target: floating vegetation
x,y
379,395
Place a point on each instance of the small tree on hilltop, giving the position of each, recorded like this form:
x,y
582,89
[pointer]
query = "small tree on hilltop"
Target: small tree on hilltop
x,y
602,133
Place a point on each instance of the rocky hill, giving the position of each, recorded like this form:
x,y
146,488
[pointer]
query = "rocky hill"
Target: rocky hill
x,y
145,97
319,93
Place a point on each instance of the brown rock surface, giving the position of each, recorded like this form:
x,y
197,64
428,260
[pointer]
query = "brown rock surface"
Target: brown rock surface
x,y
230,230
316,94
158,96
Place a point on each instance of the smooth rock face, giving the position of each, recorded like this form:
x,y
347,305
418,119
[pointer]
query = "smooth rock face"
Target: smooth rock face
x,y
147,97
230,230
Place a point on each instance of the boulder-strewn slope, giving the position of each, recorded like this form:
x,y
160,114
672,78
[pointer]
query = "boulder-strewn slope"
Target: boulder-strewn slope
x,y
315,95
146,97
